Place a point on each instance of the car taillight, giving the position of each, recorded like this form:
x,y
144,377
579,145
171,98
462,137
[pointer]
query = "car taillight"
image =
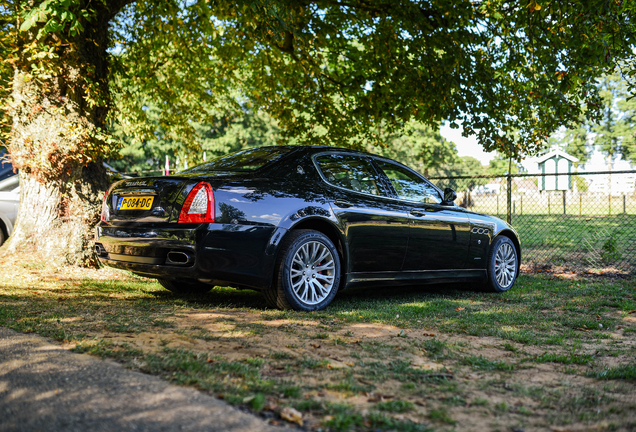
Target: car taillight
x,y
199,205
105,211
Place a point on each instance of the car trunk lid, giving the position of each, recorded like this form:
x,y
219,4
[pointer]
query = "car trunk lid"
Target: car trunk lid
x,y
149,199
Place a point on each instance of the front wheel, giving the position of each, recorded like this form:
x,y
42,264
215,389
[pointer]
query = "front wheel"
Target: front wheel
x,y
503,265
307,272
184,287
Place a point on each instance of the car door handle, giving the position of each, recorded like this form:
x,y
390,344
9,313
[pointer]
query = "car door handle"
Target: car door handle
x,y
343,204
418,213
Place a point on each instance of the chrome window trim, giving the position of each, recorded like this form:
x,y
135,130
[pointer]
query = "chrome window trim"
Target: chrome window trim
x,y
372,158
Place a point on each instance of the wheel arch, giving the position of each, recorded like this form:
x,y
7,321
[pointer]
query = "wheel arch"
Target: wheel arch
x,y
515,240
328,229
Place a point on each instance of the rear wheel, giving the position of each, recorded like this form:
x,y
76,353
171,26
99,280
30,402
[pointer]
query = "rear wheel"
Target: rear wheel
x,y
187,286
307,272
503,265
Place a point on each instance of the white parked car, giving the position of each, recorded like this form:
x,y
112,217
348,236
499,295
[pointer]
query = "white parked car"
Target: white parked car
x,y
9,197
9,203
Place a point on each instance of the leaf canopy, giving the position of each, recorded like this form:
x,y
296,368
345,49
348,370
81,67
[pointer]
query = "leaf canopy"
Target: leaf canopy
x,y
333,72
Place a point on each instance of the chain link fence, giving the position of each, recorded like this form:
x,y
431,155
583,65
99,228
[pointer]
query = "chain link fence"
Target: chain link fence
x,y
588,226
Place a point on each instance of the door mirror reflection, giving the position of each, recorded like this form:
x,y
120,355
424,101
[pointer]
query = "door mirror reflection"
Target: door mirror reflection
x,y
449,196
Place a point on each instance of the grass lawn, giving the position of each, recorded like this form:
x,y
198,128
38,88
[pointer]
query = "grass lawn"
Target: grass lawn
x,y
555,353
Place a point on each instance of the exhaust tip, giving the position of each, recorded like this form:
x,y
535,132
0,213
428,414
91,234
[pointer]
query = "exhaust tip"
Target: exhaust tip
x,y
179,258
100,251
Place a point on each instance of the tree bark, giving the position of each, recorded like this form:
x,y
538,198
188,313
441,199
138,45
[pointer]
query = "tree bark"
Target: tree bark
x,y
57,141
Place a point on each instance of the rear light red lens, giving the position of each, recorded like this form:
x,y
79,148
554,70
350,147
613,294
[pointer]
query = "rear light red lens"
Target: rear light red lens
x,y
199,205
105,211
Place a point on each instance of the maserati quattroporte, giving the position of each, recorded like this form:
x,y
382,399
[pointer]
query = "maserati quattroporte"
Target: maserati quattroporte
x,y
300,223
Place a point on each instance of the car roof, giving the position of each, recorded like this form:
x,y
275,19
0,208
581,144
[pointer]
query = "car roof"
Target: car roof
x,y
319,148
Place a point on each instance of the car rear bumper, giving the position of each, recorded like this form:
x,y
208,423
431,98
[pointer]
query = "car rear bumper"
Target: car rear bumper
x,y
221,254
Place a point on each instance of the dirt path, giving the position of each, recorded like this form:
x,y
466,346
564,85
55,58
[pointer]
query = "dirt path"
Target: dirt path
x,y
46,388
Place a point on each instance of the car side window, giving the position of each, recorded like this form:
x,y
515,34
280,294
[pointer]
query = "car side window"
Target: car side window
x,y
409,186
350,172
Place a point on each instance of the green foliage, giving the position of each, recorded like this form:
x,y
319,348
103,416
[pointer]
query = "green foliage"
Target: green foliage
x,y
466,166
419,146
501,165
615,132
334,73
612,133
610,252
57,16
229,132
576,144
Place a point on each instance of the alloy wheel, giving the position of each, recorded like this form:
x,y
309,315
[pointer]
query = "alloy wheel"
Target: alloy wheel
x,y
312,272
505,265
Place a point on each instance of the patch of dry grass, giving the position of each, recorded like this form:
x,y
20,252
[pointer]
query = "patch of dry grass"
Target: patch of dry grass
x,y
440,358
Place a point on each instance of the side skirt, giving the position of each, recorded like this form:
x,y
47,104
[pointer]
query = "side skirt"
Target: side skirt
x,y
414,277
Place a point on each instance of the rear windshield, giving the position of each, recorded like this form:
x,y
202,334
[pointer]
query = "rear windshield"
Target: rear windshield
x,y
246,160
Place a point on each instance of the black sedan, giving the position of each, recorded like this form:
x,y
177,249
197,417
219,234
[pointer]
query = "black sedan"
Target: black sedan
x,y
300,223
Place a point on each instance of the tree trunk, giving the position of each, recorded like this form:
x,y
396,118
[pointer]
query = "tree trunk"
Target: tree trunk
x,y
57,141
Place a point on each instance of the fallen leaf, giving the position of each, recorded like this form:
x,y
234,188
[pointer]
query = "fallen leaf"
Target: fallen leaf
x,y
461,308
428,334
632,312
315,345
292,415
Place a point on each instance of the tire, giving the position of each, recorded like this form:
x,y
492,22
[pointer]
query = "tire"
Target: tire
x,y
2,237
184,287
308,288
503,265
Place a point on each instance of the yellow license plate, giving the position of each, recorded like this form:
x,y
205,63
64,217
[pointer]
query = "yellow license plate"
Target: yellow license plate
x,y
136,203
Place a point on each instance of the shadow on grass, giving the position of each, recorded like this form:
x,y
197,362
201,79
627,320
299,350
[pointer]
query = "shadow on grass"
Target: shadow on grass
x,y
222,297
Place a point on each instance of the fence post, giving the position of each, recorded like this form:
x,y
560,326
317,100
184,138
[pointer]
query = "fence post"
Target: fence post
x,y
521,205
509,200
563,202
580,203
624,208
548,203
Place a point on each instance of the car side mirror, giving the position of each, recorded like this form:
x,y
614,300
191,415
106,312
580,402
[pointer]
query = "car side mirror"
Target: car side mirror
x,y
449,196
